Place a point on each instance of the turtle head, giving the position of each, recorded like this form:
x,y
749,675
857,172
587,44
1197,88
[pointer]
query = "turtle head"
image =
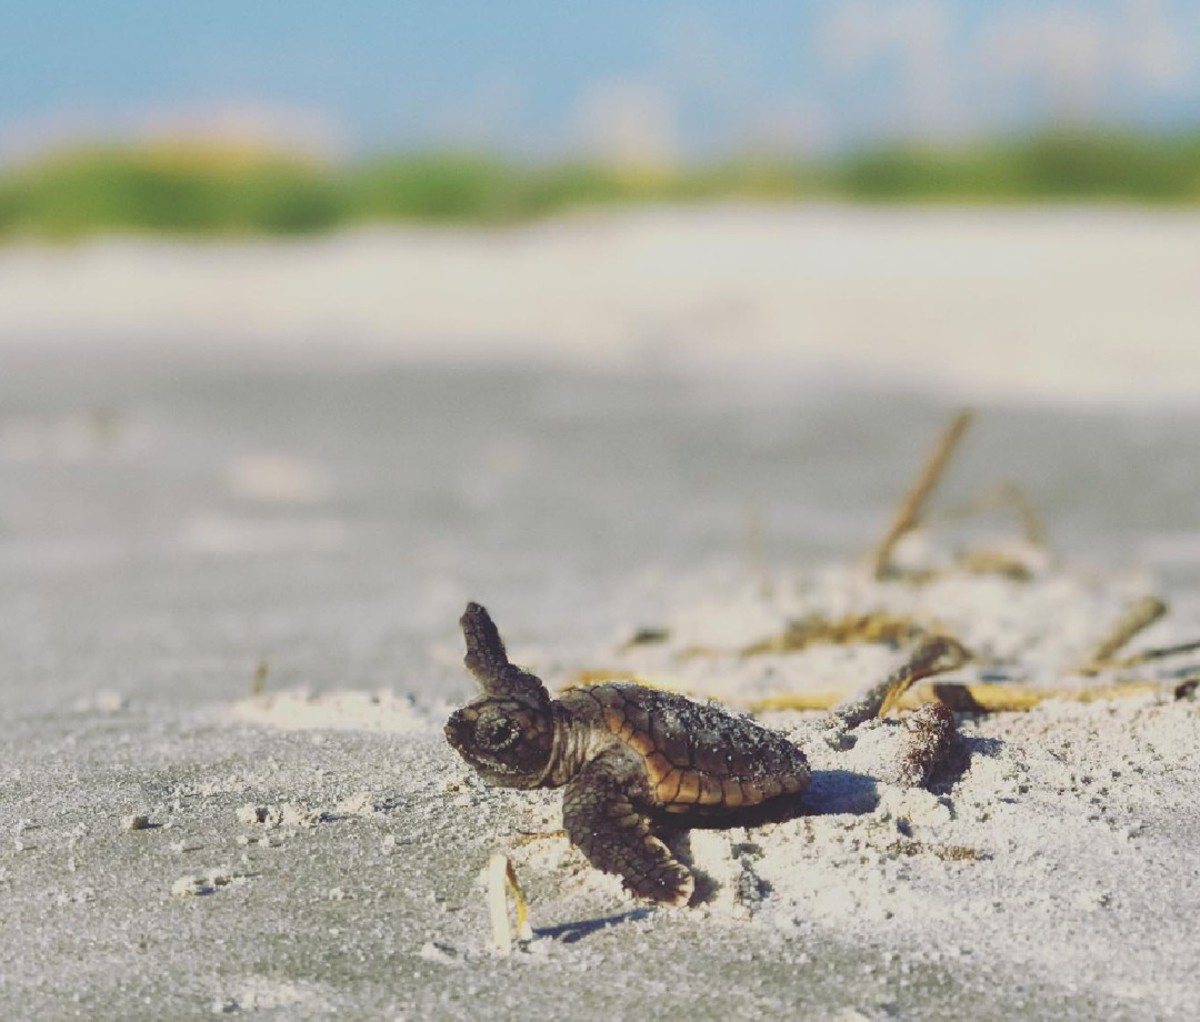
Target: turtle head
x,y
507,735
507,741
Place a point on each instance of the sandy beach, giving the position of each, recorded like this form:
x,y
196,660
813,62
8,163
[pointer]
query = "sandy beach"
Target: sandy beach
x,y
246,490
1063,303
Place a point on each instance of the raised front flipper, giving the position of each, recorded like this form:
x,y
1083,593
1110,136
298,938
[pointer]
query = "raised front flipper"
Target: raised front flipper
x,y
601,819
487,659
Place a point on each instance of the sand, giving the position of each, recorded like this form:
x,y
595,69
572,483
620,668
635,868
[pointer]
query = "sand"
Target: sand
x,y
1073,303
245,491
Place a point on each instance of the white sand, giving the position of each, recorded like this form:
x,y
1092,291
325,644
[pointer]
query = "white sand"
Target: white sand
x,y
318,850
1080,304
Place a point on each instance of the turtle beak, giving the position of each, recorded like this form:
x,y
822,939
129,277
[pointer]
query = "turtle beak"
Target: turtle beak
x,y
454,729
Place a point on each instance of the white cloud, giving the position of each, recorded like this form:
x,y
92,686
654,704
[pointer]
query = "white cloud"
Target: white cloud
x,y
1082,62
1063,51
860,31
784,127
912,41
948,72
629,121
1152,49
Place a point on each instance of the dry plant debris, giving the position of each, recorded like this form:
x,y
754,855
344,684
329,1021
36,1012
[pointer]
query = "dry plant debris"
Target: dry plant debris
x,y
964,698
894,627
502,880
875,626
930,735
259,683
1139,616
909,514
1020,563
1161,653
934,656
1006,495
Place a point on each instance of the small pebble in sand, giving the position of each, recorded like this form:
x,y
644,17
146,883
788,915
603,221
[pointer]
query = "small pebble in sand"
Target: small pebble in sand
x,y
139,821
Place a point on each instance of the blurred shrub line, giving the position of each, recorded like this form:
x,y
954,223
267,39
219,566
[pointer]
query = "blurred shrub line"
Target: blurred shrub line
x,y
1053,167
213,189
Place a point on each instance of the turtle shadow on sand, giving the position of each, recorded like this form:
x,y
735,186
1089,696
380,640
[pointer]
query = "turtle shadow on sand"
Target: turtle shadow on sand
x,y
833,792
570,933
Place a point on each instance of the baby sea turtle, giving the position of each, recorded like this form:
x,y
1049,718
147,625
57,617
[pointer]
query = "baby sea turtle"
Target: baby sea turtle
x,y
626,754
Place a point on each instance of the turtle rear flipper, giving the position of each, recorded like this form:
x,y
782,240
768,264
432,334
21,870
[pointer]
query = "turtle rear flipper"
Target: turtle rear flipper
x,y
602,821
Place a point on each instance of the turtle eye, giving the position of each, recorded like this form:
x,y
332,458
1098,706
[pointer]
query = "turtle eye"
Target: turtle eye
x,y
498,733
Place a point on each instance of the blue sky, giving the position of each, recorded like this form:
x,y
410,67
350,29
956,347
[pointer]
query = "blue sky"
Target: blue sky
x,y
636,79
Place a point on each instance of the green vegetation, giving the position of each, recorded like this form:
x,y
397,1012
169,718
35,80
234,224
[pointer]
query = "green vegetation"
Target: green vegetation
x,y
169,189
207,189
1054,167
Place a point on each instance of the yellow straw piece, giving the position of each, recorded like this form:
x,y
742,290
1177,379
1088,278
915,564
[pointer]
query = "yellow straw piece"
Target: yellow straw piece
x,y
965,698
502,879
1137,617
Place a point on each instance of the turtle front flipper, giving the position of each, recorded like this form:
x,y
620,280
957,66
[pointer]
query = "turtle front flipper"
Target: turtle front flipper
x,y
487,659
602,821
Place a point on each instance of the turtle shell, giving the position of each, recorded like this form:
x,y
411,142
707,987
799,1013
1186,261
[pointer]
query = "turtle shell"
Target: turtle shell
x,y
697,756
